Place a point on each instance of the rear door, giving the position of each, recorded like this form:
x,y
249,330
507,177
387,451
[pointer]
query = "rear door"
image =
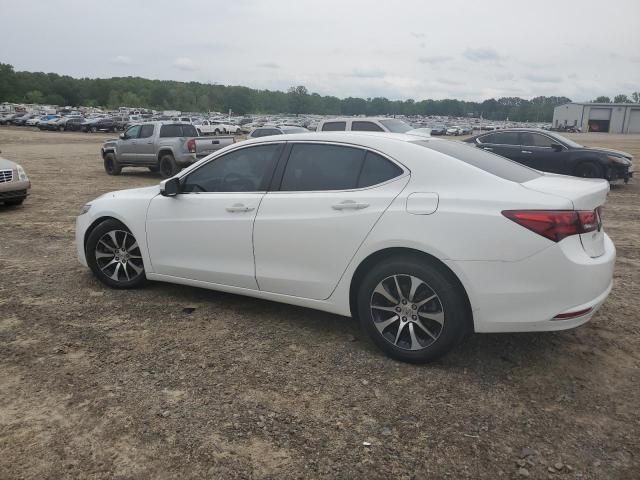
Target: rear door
x,y
506,144
329,198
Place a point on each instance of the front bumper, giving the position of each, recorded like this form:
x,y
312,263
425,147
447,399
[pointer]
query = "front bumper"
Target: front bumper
x,y
525,296
14,190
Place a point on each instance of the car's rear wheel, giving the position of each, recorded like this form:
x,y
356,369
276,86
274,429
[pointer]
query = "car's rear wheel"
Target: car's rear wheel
x,y
114,256
414,311
111,165
168,166
589,170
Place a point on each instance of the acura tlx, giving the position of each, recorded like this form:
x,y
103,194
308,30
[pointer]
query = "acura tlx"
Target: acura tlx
x,y
422,239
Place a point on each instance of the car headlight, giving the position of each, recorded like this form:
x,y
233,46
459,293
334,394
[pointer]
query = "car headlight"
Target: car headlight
x,y
619,160
85,209
22,175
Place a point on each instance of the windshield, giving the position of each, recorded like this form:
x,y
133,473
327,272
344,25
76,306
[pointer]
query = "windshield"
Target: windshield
x,y
564,140
396,126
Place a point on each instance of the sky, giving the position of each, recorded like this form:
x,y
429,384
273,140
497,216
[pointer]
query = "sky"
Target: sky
x,y
469,50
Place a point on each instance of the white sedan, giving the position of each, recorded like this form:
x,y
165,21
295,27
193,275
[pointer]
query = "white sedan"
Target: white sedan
x,y
422,239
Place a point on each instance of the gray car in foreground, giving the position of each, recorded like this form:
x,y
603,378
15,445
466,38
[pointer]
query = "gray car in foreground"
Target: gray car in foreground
x,y
164,147
14,183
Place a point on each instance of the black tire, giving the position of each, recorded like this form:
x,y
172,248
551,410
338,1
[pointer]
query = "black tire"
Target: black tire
x,y
154,169
128,273
14,202
588,170
94,129
168,166
449,306
111,165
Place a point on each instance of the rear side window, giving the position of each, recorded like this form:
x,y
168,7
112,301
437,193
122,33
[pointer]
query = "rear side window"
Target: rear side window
x,y
536,140
146,131
377,169
315,167
334,127
502,138
494,164
178,131
365,127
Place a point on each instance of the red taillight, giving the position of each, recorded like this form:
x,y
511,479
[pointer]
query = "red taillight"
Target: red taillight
x,y
191,145
576,314
555,224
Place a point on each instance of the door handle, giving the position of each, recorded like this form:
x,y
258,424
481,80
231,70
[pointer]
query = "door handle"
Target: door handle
x,y
239,207
526,151
349,205
488,148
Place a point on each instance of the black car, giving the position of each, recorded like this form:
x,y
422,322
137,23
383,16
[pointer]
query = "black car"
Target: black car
x,y
99,125
439,130
550,152
74,123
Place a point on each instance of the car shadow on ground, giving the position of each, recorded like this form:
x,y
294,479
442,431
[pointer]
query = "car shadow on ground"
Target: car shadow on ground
x,y
484,354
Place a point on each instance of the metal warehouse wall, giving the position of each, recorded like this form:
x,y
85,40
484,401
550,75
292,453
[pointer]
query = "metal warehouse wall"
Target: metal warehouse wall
x,y
622,118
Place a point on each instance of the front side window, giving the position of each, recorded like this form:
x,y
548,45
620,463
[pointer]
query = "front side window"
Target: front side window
x,y
244,170
334,127
536,140
146,131
133,132
365,127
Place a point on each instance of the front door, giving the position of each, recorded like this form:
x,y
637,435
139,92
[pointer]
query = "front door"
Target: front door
x,y
539,152
127,146
205,232
330,197
145,151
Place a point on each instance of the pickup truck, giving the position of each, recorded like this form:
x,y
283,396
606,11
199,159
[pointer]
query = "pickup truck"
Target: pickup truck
x,y
164,147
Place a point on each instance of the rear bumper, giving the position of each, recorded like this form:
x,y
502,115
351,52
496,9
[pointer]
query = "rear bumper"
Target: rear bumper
x,y
186,159
525,296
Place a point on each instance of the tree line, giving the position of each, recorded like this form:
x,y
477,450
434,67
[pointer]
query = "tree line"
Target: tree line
x,y
62,90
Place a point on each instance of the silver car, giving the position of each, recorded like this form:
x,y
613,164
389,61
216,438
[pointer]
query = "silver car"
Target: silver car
x,y
14,183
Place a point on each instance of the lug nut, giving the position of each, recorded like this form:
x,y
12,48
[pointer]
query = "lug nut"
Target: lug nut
x,y
404,319
414,317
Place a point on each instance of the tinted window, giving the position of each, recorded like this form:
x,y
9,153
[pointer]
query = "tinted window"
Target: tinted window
x,y
365,127
376,170
334,127
502,138
494,164
133,131
265,132
396,126
244,170
322,167
536,140
178,131
146,131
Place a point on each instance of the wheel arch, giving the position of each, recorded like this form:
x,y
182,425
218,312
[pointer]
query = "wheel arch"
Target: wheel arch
x,y
164,151
97,222
385,253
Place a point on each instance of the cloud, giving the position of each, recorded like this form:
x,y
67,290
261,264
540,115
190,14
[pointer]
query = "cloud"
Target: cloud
x,y
481,54
434,59
418,35
122,60
269,65
184,63
537,78
366,73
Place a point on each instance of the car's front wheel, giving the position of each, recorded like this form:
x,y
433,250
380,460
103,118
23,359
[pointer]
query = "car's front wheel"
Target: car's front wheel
x,y
114,256
111,165
588,170
413,310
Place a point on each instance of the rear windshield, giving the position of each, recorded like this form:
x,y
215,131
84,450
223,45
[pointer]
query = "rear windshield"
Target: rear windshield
x,y
178,131
396,126
489,162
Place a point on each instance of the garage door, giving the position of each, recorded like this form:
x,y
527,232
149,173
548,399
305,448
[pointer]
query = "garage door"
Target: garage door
x,y
600,114
634,122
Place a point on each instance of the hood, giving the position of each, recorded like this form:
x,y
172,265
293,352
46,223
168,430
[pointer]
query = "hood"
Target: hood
x,y
617,153
6,164
145,192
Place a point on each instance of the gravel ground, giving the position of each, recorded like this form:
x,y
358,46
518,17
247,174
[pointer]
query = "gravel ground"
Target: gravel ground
x,y
105,384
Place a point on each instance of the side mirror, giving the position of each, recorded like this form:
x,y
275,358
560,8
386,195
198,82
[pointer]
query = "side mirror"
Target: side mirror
x,y
556,147
123,136
170,188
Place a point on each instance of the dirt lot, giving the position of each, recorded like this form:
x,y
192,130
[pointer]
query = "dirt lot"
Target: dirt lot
x,y
98,383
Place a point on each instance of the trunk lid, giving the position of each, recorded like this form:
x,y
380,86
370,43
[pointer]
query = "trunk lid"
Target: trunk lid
x,y
586,194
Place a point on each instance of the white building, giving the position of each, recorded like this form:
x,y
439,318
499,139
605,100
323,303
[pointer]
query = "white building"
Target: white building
x,y
599,117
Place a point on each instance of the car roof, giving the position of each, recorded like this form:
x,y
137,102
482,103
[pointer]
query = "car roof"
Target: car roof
x,y
357,119
357,138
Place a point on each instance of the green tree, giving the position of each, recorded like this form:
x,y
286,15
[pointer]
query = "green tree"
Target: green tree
x,y
602,99
621,98
298,99
34,96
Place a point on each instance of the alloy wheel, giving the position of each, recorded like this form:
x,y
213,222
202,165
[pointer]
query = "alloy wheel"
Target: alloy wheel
x,y
118,256
407,312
